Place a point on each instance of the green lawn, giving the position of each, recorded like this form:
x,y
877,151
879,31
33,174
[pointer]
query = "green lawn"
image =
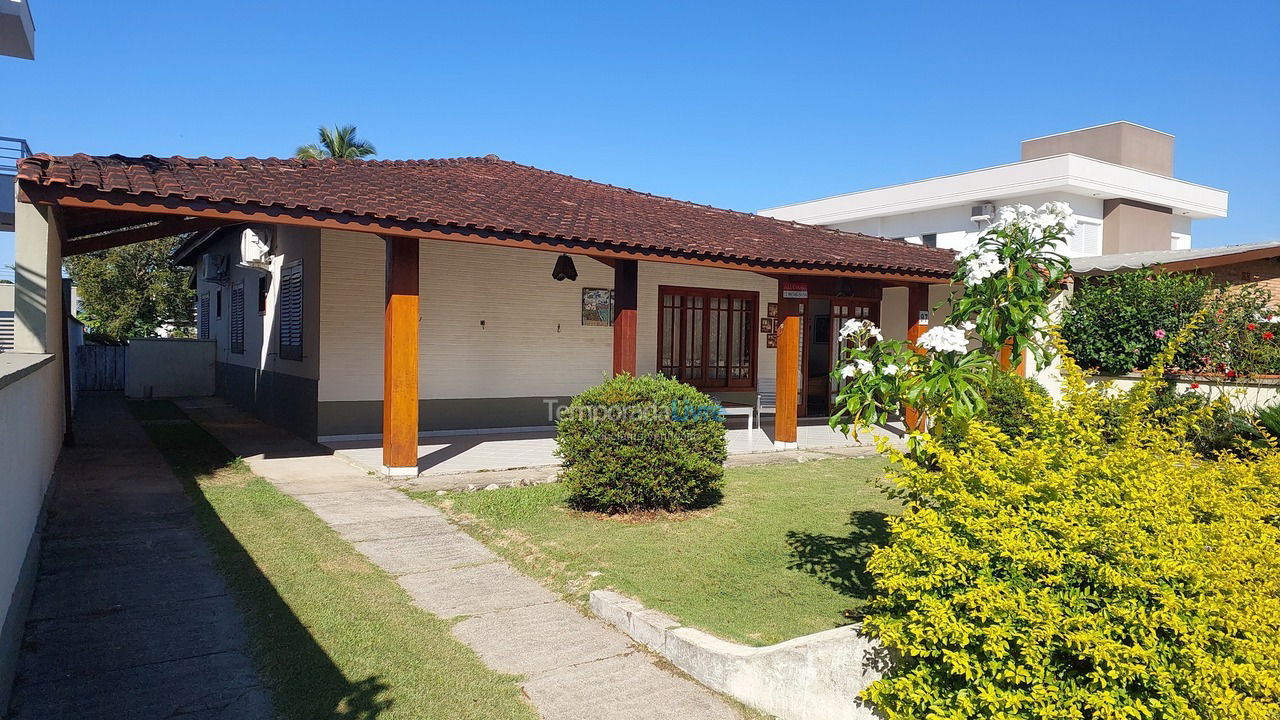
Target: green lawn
x,y
781,556
334,636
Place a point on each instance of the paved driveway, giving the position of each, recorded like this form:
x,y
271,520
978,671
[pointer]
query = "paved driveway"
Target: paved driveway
x,y
130,618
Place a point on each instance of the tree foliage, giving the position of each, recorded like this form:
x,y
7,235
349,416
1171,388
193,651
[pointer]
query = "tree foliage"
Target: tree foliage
x,y
337,142
133,290
1094,569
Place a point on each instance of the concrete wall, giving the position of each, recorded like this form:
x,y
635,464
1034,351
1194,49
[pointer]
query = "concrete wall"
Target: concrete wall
x,y
1131,226
1248,394
1121,143
279,390
169,367
954,228
31,427
498,334
815,677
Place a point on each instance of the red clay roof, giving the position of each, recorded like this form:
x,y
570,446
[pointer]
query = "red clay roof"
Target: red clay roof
x,y
484,194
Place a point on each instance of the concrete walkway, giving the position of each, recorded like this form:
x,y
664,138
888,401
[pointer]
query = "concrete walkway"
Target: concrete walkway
x,y
575,668
130,619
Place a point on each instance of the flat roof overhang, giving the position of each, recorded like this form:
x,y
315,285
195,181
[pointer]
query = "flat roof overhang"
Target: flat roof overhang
x,y
95,220
1069,173
17,30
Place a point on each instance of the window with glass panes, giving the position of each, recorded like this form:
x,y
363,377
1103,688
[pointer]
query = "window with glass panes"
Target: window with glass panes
x,y
707,338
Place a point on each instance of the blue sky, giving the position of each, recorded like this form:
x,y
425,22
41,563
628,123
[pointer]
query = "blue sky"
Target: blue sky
x,y
741,105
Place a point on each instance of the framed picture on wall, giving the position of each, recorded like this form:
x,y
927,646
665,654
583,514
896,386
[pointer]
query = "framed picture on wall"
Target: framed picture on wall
x,y
597,307
771,340
767,325
773,310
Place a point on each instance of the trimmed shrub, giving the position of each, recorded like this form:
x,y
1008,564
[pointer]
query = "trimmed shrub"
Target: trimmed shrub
x,y
1065,574
1111,322
1008,398
641,443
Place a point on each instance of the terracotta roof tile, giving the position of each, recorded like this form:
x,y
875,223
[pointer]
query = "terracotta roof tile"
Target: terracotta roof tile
x,y
485,194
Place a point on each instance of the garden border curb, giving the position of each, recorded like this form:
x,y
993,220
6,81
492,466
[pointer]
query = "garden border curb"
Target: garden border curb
x,y
813,677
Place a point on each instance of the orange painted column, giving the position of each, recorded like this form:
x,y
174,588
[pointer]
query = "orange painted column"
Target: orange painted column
x,y
788,370
917,324
400,359
1005,358
625,293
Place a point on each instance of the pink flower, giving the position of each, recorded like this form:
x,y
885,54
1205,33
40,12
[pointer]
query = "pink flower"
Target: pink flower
x,y
1160,334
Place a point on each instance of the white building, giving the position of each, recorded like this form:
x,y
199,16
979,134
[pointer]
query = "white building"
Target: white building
x,y
1118,178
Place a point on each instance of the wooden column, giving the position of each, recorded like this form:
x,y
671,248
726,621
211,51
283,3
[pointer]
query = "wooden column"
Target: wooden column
x,y
917,324
625,292
400,359
788,370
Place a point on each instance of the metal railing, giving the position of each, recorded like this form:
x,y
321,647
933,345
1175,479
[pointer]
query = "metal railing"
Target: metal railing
x,y
11,151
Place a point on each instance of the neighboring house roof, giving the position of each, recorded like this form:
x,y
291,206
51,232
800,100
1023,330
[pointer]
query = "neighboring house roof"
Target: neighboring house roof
x,y
1066,173
1175,259
475,195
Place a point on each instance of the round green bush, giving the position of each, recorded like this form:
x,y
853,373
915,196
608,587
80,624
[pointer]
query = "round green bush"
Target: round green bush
x,y
641,443
1008,400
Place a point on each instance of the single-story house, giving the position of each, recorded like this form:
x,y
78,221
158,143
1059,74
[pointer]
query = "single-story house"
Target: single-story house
x,y
1227,264
357,297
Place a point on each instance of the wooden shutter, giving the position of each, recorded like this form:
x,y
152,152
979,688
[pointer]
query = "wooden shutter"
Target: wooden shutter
x,y
291,311
202,319
237,317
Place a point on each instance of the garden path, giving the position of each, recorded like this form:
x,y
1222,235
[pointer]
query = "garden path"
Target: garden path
x,y
574,667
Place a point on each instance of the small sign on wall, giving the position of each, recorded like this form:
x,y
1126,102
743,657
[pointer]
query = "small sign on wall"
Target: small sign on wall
x,y
923,318
795,290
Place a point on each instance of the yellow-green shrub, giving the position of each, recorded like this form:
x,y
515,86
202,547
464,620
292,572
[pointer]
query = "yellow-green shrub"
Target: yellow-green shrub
x,y
1060,575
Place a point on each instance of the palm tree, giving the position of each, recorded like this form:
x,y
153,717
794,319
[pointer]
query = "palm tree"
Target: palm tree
x,y
336,142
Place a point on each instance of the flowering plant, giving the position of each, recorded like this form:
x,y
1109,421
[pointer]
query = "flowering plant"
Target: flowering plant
x,y
870,376
1009,273
878,375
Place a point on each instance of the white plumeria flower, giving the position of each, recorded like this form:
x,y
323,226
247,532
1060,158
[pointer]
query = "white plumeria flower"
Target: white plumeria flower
x,y
848,371
875,332
982,266
890,369
968,326
864,366
944,338
849,328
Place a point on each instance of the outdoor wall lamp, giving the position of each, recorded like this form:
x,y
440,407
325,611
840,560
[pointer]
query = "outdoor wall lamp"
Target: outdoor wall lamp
x,y
564,269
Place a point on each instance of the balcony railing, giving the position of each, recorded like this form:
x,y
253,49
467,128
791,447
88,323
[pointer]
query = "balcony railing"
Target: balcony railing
x,y
11,151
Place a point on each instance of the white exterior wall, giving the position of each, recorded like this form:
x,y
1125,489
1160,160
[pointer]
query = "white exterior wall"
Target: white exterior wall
x,y
291,243
31,427
955,229
532,342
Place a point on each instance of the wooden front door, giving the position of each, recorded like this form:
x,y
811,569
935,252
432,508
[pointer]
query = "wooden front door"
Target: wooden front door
x,y
842,310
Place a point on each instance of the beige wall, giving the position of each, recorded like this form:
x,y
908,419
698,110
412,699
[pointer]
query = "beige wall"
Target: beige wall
x,y
1121,143
532,342
1132,226
31,426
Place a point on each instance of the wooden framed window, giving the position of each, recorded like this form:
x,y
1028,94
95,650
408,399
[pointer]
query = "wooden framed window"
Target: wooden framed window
x,y
291,311
202,317
707,337
237,317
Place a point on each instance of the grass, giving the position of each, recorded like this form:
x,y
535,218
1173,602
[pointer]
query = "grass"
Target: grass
x,y
781,556
333,636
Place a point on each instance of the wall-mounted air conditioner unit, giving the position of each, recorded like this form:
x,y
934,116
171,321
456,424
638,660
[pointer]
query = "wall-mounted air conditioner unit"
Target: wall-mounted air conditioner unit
x,y
982,213
255,248
213,267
